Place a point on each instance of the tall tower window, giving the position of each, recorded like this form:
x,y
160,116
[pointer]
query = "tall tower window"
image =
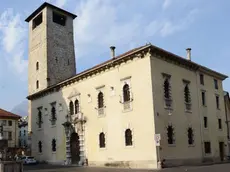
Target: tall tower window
x,y
37,66
37,84
59,19
37,21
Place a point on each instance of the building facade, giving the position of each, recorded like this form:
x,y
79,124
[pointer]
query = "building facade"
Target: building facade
x,y
23,132
10,127
109,114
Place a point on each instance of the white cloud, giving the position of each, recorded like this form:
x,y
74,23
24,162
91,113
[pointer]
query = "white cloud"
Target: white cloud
x,y
60,3
100,24
13,37
166,4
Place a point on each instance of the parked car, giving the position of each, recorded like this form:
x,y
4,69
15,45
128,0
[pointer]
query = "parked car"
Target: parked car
x,y
29,160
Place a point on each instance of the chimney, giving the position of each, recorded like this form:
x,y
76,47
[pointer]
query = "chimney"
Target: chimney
x,y
189,53
112,48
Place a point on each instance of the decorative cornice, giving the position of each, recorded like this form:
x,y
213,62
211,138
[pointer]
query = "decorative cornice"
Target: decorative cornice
x,y
136,53
140,52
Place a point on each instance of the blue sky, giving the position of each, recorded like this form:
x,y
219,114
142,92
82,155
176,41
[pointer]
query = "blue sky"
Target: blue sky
x,y
170,24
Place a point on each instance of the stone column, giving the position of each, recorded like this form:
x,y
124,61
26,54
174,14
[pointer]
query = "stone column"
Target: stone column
x,y
68,151
82,144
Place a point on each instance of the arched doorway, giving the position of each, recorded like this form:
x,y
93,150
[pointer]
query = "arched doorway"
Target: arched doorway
x,y
75,148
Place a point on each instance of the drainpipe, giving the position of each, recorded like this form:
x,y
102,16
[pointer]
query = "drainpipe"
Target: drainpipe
x,y
201,119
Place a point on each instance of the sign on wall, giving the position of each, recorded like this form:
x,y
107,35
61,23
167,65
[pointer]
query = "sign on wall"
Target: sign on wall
x,y
157,139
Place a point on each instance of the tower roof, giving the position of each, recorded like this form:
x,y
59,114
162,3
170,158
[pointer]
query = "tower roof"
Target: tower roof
x,y
45,4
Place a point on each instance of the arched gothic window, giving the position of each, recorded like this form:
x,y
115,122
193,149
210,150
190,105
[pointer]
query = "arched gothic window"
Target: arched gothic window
x,y
126,93
39,119
187,97
170,134
190,136
40,146
77,110
128,137
54,145
37,66
100,100
167,89
102,140
53,113
71,108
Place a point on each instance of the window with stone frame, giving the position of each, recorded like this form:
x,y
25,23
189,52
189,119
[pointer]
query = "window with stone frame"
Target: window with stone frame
x,y
71,108
77,106
40,147
102,140
203,98
9,135
37,84
37,66
10,123
217,102
100,103
100,99
201,79
167,90
53,114
39,119
170,135
126,93
205,122
190,136
207,147
220,124
187,97
215,84
54,145
128,137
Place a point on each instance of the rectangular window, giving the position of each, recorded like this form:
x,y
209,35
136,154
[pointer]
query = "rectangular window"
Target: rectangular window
x,y
37,21
203,98
207,147
220,124
216,84
201,79
59,18
10,123
217,102
4,122
205,122
9,135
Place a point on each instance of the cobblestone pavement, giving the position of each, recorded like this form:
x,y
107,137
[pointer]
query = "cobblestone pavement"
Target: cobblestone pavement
x,y
52,168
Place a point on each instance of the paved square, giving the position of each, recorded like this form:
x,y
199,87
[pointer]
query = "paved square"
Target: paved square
x,y
52,168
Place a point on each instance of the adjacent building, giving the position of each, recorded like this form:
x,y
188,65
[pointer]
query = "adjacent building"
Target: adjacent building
x,y
23,132
10,127
110,114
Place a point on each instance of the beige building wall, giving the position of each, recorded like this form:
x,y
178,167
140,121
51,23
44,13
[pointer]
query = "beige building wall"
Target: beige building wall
x,y
181,151
139,119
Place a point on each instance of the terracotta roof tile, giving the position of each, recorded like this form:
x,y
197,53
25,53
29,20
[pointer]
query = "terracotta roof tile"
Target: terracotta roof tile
x,y
6,114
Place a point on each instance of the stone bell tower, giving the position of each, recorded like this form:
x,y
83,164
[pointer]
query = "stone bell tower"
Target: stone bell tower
x,y
51,47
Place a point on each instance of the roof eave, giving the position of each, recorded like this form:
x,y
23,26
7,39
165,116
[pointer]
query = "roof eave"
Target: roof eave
x,y
50,5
